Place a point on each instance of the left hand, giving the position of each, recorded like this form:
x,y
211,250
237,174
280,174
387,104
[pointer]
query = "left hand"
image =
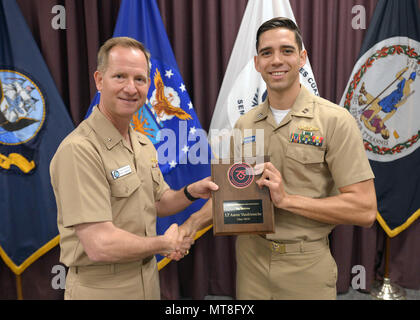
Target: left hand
x,y
202,189
272,179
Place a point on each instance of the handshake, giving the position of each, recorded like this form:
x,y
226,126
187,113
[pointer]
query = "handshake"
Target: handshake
x,y
178,242
178,239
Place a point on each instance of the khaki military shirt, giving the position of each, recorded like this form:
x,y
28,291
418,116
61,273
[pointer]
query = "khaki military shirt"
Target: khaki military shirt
x,y
317,148
97,177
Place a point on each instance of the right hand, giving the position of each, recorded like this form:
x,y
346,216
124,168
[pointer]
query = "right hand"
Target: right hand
x,y
178,244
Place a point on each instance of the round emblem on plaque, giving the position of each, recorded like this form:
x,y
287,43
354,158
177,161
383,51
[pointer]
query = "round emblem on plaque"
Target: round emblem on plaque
x,y
240,175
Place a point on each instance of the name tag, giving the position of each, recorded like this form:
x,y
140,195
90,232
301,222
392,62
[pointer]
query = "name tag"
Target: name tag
x,y
249,139
121,172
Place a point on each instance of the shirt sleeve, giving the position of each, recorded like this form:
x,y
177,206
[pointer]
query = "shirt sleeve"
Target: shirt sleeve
x,y
346,155
80,185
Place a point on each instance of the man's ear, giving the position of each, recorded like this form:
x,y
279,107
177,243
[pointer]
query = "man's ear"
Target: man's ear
x,y
98,79
256,63
303,56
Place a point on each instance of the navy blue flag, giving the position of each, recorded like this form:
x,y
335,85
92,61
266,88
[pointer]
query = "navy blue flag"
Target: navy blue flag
x,y
383,95
33,121
168,118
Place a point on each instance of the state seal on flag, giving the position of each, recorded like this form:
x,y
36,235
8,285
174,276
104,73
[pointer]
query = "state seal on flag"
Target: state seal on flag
x,y
22,108
382,95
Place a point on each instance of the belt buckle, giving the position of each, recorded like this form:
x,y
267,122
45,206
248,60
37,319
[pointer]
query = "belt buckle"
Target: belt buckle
x,y
278,247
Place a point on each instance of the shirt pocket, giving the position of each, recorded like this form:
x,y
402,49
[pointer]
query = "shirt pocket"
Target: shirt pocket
x,y
306,171
124,187
159,184
156,175
305,155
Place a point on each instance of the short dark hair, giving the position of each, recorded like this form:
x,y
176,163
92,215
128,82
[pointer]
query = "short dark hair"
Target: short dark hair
x,y
280,22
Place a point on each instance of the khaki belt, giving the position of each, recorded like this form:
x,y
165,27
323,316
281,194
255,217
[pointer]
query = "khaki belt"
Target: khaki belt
x,y
111,268
286,247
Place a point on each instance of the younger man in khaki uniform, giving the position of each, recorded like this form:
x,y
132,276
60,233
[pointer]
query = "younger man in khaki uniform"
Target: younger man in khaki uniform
x,y
319,176
109,189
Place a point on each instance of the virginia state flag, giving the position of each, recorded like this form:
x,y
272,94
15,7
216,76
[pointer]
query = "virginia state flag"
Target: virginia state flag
x,y
383,95
243,87
33,121
168,115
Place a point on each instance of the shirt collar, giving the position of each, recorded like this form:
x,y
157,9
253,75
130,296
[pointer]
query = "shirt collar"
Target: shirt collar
x,y
134,135
265,113
107,131
302,107
104,128
304,104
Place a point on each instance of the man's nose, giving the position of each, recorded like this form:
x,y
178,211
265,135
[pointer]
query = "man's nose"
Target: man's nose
x,y
130,87
277,58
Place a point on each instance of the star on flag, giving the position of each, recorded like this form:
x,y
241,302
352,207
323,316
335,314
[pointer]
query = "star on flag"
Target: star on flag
x,y
169,74
172,164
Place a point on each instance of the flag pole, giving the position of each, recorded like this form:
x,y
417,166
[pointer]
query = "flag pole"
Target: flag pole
x,y
387,245
19,287
386,290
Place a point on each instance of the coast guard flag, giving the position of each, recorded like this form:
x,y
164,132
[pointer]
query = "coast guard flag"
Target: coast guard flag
x,y
33,121
168,118
383,95
243,88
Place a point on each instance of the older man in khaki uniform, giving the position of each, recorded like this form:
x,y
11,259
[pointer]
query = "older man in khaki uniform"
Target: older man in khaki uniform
x,y
318,176
109,189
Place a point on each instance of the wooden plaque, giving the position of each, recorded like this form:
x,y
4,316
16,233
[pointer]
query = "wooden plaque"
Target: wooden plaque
x,y
240,206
